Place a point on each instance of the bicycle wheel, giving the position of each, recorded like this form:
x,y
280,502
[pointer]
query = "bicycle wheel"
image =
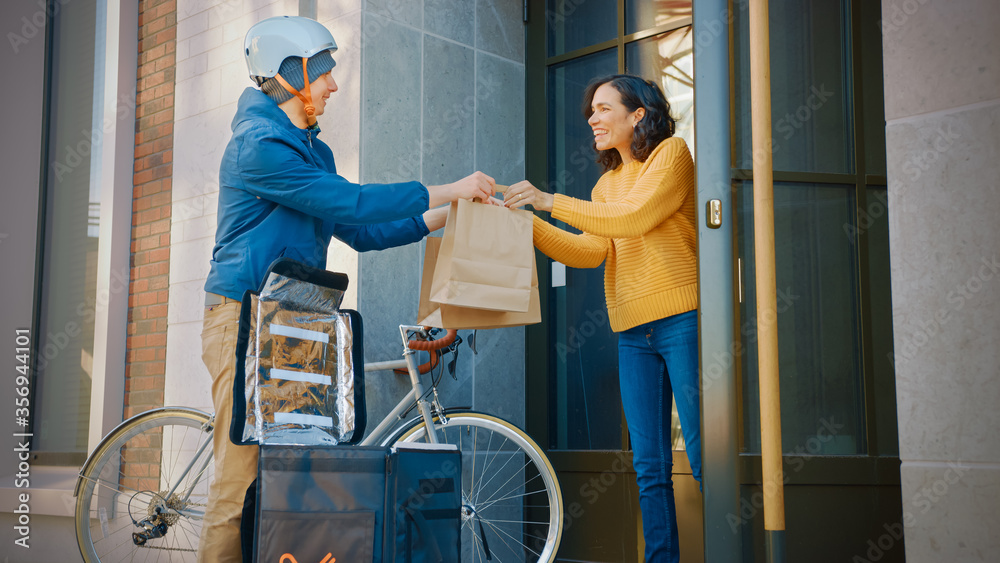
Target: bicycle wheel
x,y
511,501
142,494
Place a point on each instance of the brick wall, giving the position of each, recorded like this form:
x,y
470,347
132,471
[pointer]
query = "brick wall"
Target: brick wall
x,y
150,264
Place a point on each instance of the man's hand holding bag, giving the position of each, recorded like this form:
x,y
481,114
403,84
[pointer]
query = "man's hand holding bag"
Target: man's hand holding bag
x,y
486,259
479,238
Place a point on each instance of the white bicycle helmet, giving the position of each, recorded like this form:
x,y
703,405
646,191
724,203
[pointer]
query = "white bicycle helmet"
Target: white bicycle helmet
x,y
271,41
276,48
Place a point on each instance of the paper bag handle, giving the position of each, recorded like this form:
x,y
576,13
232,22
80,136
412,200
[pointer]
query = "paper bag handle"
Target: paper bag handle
x,y
497,188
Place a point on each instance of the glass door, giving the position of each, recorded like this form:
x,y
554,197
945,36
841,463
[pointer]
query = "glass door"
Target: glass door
x,y
574,401
831,248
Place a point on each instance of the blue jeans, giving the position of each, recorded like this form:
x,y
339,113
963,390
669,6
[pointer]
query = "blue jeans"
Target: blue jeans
x,y
658,360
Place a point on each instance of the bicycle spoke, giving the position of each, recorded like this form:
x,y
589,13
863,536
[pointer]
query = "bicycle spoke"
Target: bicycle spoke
x,y
475,442
497,471
498,536
513,475
487,464
110,488
504,532
149,462
476,541
503,477
490,501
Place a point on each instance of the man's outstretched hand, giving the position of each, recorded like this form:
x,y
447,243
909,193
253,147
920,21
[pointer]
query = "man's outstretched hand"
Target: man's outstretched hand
x,y
475,185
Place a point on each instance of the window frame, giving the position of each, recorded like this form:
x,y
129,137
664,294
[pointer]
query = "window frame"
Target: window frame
x,y
113,158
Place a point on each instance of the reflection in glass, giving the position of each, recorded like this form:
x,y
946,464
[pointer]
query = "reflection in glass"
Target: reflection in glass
x,y
586,410
667,59
811,98
819,361
574,24
69,259
644,14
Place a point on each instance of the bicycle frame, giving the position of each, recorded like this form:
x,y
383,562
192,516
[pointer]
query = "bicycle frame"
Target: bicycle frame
x,y
395,425
416,393
204,465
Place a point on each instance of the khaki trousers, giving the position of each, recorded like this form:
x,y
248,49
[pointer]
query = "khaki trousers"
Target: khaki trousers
x,y
235,466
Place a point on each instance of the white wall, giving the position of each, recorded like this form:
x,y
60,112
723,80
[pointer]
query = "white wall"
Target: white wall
x,y
942,97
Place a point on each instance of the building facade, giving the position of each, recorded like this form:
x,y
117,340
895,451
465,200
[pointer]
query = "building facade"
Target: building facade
x,y
885,153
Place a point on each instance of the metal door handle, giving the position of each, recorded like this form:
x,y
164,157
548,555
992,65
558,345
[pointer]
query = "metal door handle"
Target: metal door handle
x,y
713,213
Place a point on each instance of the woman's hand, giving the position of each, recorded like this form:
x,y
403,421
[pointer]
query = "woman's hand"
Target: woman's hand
x,y
523,193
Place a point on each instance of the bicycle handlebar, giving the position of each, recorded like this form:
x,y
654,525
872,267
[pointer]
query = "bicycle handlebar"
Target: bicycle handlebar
x,y
431,345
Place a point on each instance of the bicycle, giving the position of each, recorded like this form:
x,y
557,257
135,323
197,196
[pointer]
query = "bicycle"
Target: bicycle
x,y
145,486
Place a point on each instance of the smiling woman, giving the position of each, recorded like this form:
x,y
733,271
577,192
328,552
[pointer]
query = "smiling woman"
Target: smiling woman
x,y
616,110
612,123
641,225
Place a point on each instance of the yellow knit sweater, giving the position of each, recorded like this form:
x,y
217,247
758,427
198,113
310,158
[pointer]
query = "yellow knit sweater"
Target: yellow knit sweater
x,y
642,223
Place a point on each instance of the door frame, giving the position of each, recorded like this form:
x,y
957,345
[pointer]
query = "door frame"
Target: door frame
x,y
716,281
717,276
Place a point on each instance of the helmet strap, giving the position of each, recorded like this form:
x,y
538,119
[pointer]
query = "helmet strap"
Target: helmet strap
x,y
306,97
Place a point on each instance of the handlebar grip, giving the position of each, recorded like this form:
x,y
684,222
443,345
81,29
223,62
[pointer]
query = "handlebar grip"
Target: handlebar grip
x,y
430,345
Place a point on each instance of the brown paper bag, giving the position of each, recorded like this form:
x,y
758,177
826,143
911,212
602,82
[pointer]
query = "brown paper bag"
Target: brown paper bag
x,y
485,259
451,316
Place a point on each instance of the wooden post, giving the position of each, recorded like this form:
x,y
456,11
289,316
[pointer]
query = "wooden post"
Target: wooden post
x,y
767,315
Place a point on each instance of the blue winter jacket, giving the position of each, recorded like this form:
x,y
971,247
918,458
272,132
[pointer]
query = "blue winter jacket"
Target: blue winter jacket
x,y
280,195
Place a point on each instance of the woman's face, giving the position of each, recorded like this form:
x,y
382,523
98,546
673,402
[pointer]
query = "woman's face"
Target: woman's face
x,y
612,122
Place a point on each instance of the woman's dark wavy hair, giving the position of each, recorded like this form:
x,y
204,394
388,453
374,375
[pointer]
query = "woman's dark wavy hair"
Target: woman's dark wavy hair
x,y
652,129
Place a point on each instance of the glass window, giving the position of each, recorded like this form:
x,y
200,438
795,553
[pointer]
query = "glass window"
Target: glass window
x,y
667,59
875,222
575,24
644,14
874,97
69,256
811,97
818,322
584,362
